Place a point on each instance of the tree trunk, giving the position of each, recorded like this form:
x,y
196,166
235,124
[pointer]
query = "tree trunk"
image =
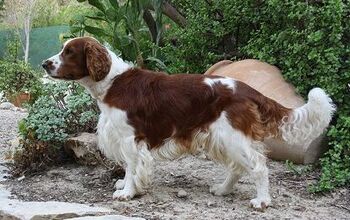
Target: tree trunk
x,y
173,14
27,39
148,18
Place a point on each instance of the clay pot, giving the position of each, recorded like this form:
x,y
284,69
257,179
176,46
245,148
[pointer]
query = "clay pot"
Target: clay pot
x,y
19,99
268,80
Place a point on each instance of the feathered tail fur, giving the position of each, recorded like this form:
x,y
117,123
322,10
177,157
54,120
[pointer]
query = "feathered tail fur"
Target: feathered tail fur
x,y
309,121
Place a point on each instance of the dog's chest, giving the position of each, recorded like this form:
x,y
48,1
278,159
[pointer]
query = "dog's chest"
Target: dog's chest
x,y
113,131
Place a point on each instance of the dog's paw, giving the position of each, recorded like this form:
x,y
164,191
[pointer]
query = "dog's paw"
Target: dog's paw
x,y
260,204
119,184
220,190
123,195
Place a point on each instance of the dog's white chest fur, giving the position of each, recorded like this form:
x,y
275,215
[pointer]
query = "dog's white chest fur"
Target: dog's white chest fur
x,y
115,135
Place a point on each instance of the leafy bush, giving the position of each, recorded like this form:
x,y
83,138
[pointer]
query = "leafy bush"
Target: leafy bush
x,y
311,46
54,13
308,41
62,110
122,26
17,77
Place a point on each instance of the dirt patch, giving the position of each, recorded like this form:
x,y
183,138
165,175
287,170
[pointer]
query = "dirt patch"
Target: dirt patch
x,y
94,185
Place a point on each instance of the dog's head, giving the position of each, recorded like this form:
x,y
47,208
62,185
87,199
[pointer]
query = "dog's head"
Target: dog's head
x,y
79,58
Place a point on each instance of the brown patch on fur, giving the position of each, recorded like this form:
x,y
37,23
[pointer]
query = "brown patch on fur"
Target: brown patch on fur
x,y
83,57
98,61
262,115
160,106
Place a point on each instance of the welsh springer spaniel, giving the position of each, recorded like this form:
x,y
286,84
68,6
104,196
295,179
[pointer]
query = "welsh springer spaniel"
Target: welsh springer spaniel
x,y
146,115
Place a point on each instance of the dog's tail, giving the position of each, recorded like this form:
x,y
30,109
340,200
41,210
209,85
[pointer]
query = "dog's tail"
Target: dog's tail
x,y
306,123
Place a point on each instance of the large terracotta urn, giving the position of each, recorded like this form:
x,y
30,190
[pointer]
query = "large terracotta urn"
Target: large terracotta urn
x,y
268,80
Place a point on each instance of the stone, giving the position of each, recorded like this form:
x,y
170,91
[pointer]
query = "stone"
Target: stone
x,y
84,149
268,80
182,194
7,105
211,204
7,216
55,216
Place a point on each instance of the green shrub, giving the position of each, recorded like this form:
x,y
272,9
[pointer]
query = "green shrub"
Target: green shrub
x,y
122,26
307,40
310,43
63,109
18,77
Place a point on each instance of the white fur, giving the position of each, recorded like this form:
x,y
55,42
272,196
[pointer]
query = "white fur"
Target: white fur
x,y
56,62
56,59
117,141
239,153
308,122
228,82
98,89
171,149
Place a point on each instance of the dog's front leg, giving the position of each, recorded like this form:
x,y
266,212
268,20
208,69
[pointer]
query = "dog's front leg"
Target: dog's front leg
x,y
138,170
128,191
120,183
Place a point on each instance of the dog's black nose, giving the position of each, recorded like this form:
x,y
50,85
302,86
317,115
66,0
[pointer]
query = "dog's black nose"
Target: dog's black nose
x,y
46,64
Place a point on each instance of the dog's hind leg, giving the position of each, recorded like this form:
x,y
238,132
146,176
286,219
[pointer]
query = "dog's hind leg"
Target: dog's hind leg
x,y
260,175
230,146
254,162
234,173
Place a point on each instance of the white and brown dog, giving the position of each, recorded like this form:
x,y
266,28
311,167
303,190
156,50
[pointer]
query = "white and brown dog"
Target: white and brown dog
x,y
146,115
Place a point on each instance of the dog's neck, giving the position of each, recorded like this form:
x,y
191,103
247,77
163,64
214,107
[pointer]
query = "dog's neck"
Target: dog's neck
x,y
99,89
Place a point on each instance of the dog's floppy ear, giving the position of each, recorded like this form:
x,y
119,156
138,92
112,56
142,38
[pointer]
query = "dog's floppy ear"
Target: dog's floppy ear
x,y
98,61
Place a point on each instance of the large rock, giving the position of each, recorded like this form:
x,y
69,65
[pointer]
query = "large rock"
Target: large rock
x,y
7,216
55,216
7,106
84,148
85,151
11,208
268,80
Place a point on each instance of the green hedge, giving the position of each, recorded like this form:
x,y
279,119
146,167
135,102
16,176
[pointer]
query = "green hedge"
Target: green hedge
x,y
307,40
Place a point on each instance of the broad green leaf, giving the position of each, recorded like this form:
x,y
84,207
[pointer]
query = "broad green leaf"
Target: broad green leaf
x,y
96,31
98,4
112,14
158,62
97,18
75,29
114,3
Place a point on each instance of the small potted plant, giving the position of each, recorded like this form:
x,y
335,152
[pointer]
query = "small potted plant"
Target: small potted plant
x,y
19,82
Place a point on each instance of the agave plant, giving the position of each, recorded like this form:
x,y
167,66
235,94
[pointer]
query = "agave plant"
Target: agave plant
x,y
123,24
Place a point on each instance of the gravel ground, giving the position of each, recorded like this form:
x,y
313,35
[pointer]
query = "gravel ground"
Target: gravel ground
x,y
192,176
